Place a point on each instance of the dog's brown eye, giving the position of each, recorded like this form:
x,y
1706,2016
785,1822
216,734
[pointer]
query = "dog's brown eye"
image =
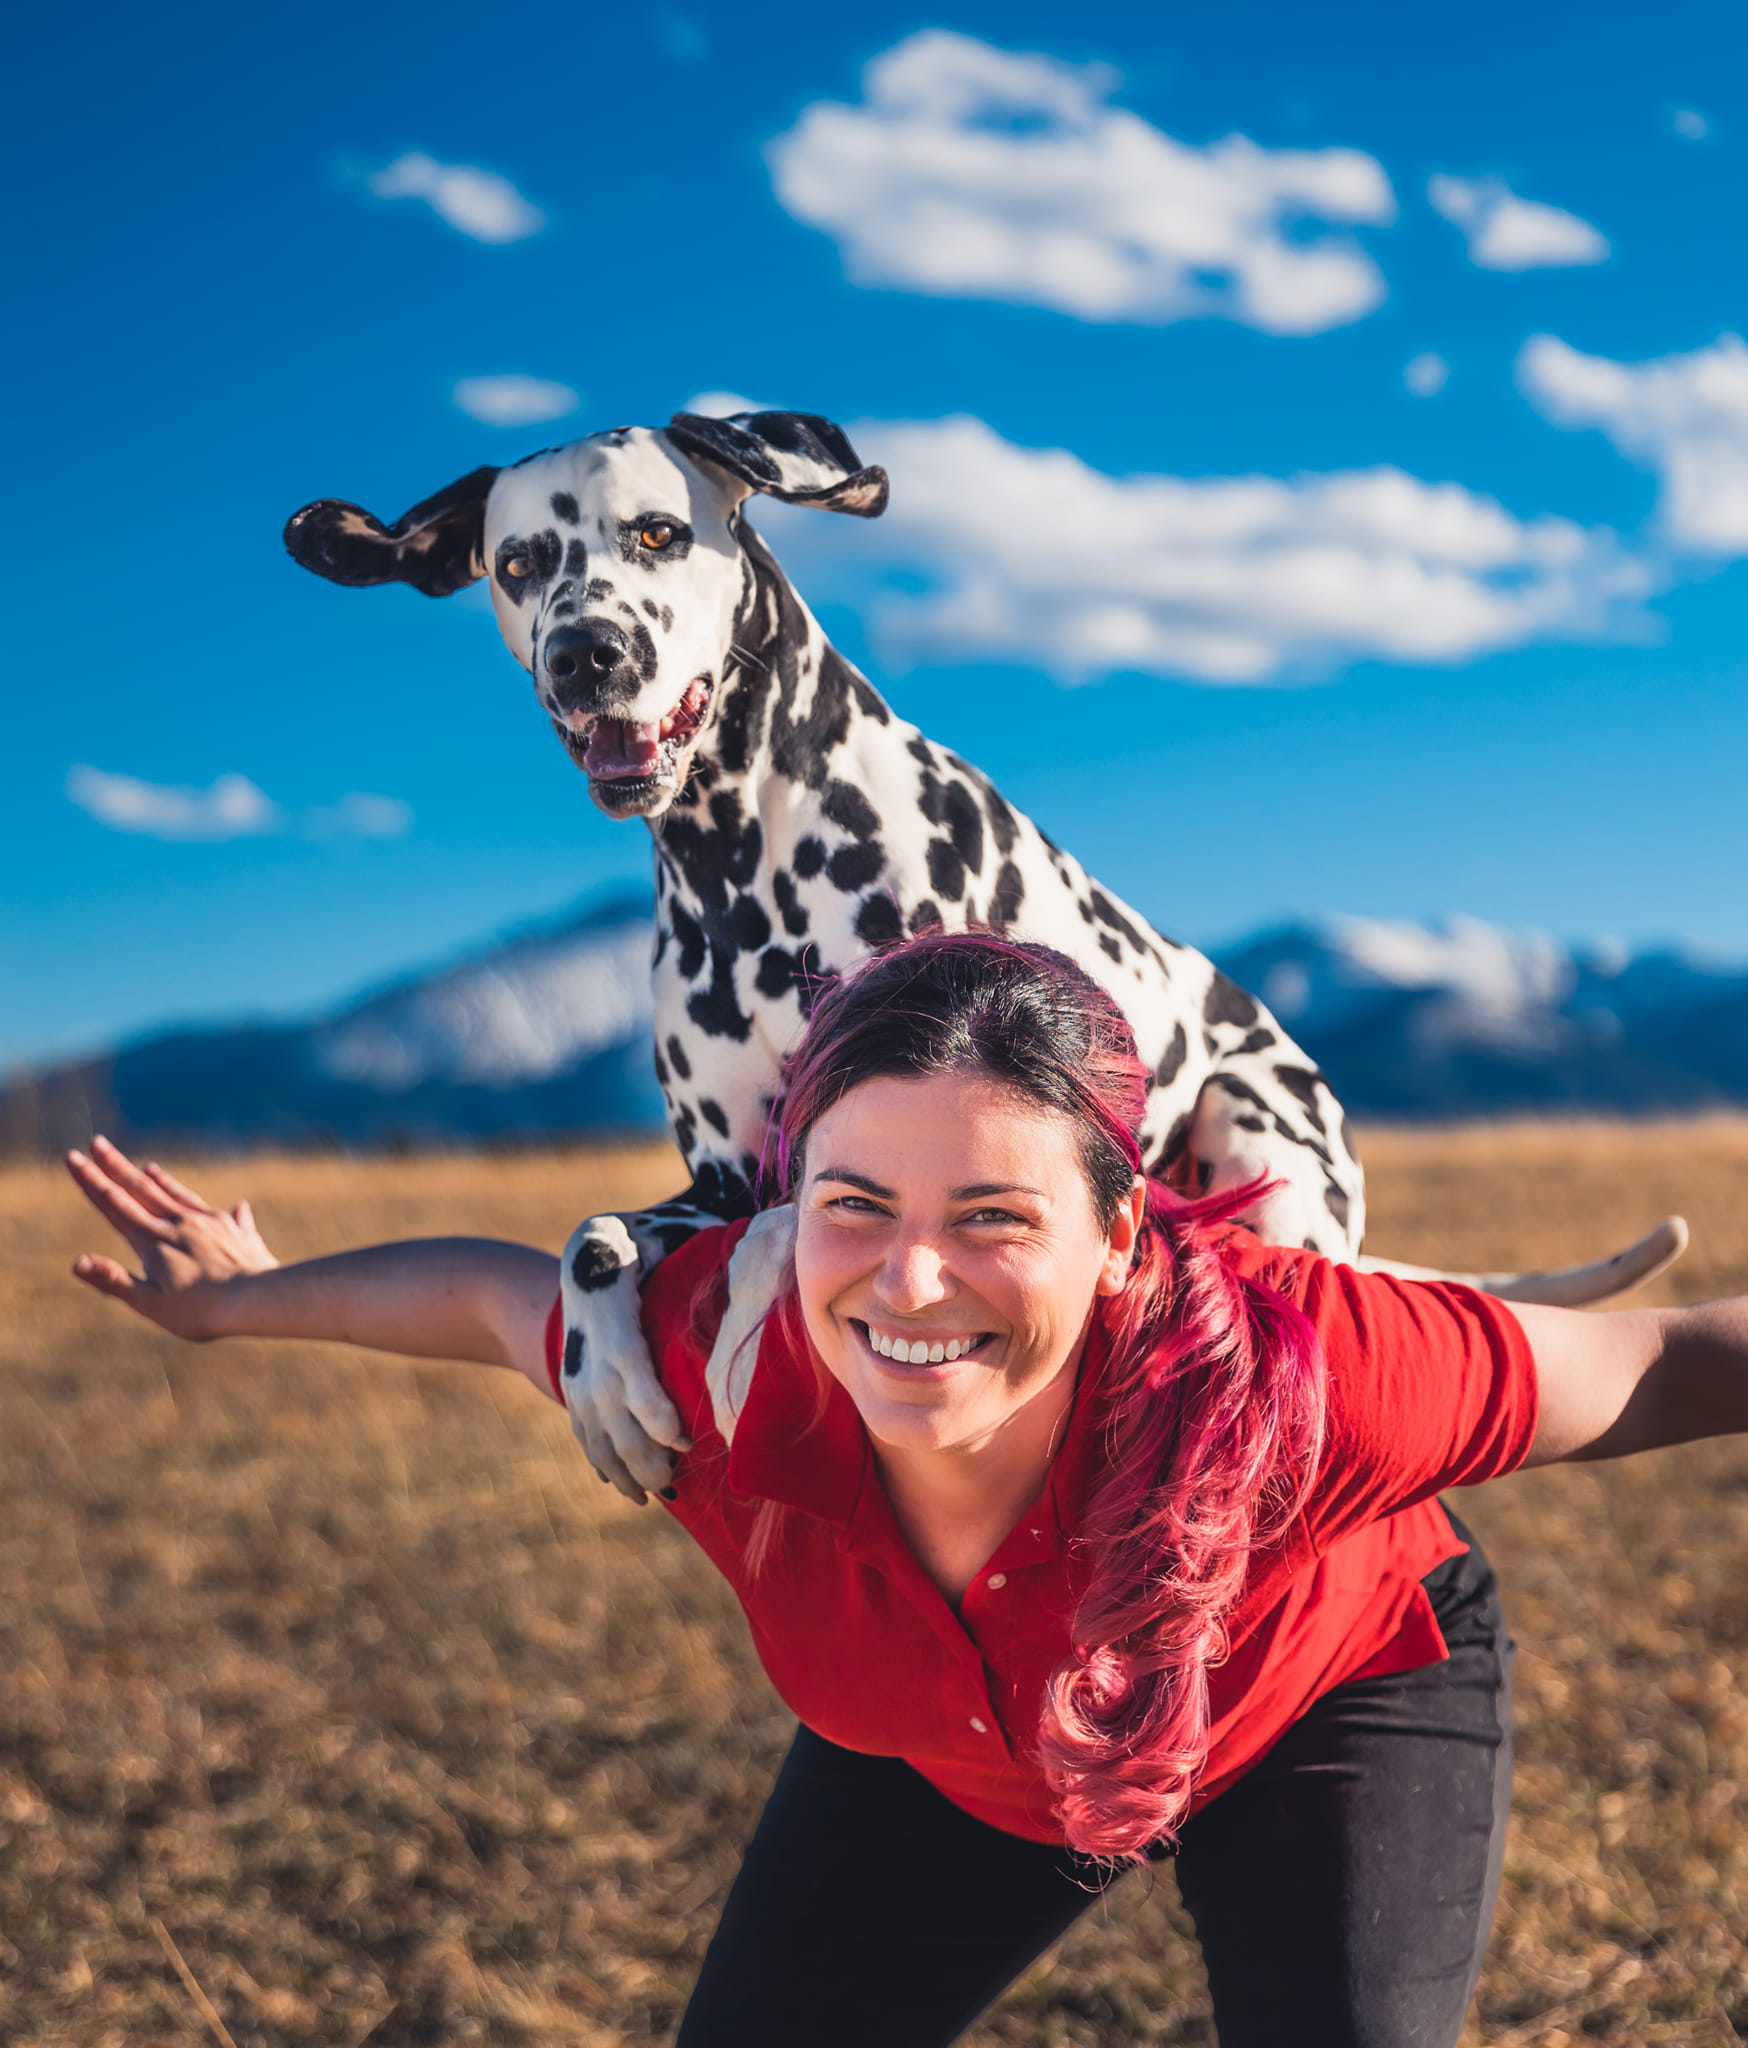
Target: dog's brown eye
x,y
656,534
517,565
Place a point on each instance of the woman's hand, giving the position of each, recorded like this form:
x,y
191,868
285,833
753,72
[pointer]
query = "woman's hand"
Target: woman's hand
x,y
188,1249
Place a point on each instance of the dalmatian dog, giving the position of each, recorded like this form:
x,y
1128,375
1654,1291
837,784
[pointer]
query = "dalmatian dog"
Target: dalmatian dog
x,y
798,824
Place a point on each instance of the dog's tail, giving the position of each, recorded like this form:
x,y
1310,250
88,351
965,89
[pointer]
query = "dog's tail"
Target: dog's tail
x,y
1570,1286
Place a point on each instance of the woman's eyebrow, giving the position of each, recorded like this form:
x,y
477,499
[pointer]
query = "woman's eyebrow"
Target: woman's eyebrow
x,y
983,1189
854,1180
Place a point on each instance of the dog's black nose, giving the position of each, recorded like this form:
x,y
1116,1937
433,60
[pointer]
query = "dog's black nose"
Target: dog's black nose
x,y
585,653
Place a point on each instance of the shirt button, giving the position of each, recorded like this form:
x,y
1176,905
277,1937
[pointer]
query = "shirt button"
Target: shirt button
x,y
996,1581
981,1727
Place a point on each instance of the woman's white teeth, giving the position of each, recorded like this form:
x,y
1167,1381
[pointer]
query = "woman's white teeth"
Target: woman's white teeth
x,y
919,1351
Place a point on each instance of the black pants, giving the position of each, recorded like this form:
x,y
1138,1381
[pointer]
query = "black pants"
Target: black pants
x,y
1342,1890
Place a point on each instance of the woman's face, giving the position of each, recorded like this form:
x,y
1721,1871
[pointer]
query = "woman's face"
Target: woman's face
x,y
948,1256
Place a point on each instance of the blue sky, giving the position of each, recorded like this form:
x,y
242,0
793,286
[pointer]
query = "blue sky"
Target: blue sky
x,y
1279,636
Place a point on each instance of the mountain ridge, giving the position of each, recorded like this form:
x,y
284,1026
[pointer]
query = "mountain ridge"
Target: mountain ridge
x,y
543,1035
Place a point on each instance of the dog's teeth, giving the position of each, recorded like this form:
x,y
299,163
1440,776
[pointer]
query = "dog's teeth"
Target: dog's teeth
x,y
936,1353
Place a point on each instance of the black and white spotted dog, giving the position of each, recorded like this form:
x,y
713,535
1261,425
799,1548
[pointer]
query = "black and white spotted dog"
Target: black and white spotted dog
x,y
798,823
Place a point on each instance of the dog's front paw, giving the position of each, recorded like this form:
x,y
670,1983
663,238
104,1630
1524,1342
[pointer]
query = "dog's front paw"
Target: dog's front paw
x,y
619,1410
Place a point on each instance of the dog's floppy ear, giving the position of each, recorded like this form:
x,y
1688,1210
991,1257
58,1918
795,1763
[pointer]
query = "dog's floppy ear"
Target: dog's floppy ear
x,y
437,547
795,456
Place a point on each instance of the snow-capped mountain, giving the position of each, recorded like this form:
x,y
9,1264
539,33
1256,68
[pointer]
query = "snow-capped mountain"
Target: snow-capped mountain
x,y
547,1036
1466,1019
542,1036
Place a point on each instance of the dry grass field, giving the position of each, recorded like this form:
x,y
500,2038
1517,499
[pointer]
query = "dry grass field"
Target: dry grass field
x,y
339,1703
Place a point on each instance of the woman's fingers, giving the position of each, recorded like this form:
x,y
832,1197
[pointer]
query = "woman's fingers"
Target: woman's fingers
x,y
144,1188
115,1204
107,1276
178,1190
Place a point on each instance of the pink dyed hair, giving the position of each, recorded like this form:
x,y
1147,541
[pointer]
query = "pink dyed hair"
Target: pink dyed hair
x,y
1213,1392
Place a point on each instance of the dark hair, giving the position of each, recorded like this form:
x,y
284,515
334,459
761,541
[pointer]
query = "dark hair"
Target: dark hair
x,y
1212,1395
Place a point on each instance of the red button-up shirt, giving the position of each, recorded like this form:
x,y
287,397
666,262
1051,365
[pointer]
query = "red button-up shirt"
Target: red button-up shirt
x,y
1429,1386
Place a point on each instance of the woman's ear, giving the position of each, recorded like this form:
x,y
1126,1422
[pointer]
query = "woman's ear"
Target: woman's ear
x,y
1122,1238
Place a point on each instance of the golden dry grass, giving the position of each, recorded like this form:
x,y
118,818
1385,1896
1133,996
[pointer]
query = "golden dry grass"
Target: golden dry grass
x,y
349,1676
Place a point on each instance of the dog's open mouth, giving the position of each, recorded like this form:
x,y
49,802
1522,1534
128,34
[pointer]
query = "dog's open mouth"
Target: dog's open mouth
x,y
625,750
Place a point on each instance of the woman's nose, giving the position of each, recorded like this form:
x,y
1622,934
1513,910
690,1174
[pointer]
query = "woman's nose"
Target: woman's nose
x,y
913,1276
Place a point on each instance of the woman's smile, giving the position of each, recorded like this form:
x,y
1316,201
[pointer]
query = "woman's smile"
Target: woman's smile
x,y
916,1349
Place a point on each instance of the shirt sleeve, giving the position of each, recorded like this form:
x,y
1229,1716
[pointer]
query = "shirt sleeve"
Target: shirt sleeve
x,y
1430,1385
669,1319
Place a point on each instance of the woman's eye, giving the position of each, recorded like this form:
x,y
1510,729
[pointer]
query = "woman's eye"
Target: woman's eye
x,y
656,535
516,566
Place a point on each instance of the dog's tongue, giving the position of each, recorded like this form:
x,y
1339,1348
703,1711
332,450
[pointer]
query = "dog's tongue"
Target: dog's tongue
x,y
619,747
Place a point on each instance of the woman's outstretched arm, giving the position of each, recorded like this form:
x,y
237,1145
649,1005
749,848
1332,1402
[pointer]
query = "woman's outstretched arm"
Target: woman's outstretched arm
x,y
1638,1379
207,1273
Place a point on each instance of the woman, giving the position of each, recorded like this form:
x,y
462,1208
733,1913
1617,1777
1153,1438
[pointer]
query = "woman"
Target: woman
x,y
1077,1526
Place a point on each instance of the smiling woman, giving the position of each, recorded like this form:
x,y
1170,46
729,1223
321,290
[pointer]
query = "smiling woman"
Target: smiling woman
x,y
1077,1526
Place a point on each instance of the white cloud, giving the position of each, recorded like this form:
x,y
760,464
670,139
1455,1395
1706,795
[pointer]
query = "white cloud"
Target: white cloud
x,y
232,808
721,405
475,202
1685,416
359,816
514,401
973,172
992,551
1690,124
1426,374
1509,233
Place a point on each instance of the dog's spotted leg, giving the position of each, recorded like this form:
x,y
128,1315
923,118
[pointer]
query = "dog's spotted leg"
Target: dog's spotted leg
x,y
619,1411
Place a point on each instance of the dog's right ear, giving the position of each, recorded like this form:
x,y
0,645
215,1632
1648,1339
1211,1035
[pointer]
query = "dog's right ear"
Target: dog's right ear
x,y
437,547
795,456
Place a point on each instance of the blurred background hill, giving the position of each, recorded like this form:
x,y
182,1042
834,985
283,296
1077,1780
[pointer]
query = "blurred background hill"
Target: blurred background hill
x,y
544,1037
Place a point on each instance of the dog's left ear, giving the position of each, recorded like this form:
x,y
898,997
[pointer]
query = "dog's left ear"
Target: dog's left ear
x,y
795,456
437,547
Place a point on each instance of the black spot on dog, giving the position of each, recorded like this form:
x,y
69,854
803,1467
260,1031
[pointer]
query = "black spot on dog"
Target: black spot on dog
x,y
595,1266
845,805
677,1053
1107,913
576,557
789,905
1258,1041
779,972
1335,1201
599,591
1249,1123
651,608
1109,945
1175,1054
878,921
1086,911
667,618
686,1130
1301,1083
717,1190
1227,1003
712,859
661,1071
1004,827
1175,1141
809,857
712,1113
1008,895
749,924
564,507
573,1353
946,869
926,917
853,867
689,936
952,806
920,750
